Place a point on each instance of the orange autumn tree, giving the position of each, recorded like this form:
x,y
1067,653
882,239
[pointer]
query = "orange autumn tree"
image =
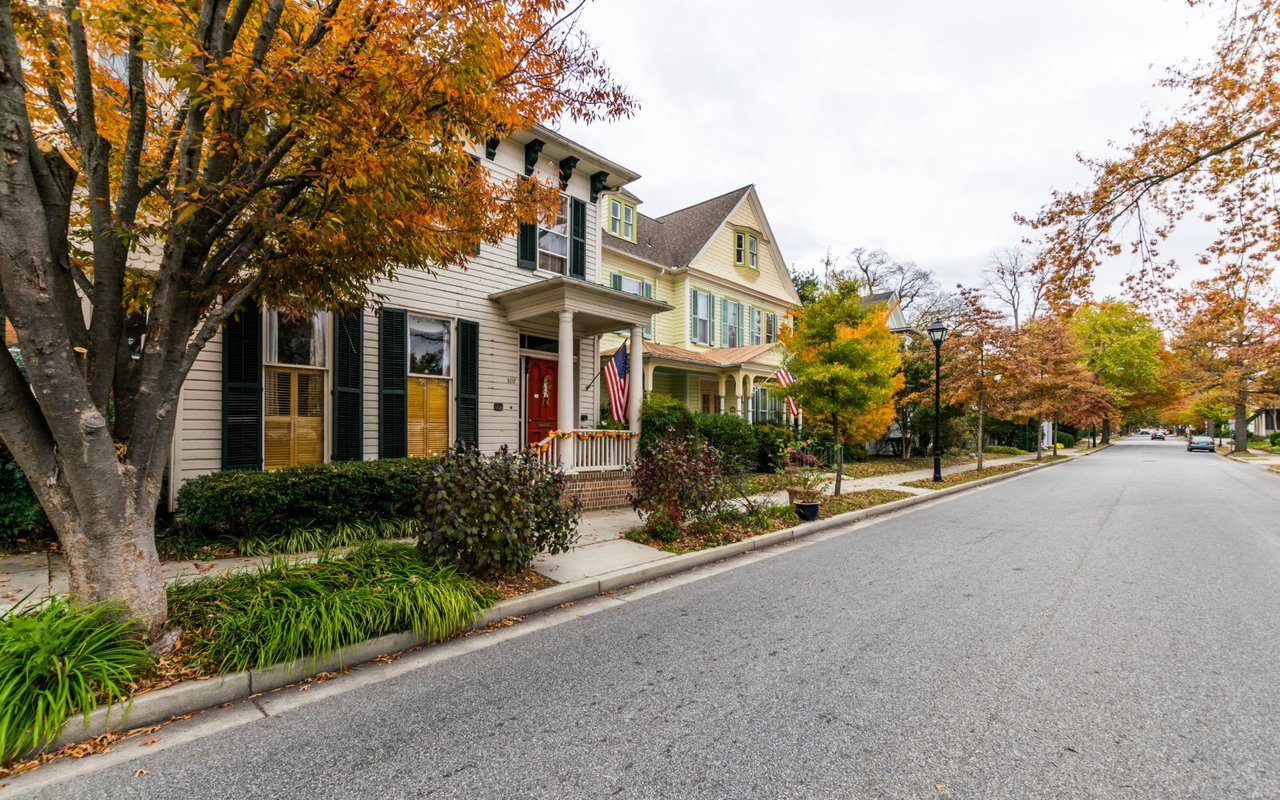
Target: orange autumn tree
x,y
1053,383
284,152
978,371
845,363
1228,341
1215,158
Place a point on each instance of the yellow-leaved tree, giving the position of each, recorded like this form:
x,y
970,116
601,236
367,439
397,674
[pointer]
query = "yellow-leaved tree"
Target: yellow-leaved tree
x,y
845,362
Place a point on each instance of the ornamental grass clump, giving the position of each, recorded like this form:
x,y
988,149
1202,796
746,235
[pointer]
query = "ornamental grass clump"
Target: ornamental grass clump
x,y
288,610
58,660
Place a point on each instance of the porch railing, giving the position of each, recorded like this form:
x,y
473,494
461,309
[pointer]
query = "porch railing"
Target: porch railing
x,y
593,450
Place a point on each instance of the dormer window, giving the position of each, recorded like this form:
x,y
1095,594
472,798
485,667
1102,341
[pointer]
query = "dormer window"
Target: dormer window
x,y
746,249
622,219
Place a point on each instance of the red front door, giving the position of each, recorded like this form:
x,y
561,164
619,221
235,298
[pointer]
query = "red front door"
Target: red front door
x,y
539,399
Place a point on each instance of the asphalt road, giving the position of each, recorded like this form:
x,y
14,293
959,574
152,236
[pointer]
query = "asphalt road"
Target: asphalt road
x,y
1106,628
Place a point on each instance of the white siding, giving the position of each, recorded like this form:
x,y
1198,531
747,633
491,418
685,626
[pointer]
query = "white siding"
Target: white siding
x,y
453,294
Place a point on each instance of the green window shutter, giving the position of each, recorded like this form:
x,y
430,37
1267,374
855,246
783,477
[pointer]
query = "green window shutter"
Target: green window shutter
x,y
468,383
577,239
242,389
648,290
711,312
393,365
348,386
615,280
527,246
724,322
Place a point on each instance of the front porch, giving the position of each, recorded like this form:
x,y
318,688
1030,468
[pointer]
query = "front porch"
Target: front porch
x,y
553,422
728,380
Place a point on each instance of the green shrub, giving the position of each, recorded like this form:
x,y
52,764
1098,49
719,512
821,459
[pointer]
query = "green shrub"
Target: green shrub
x,y
57,660
244,503
491,514
288,610
662,416
771,447
676,485
731,436
20,514
1004,450
1066,439
1275,439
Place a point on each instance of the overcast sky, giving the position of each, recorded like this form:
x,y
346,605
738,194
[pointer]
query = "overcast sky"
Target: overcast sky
x,y
918,127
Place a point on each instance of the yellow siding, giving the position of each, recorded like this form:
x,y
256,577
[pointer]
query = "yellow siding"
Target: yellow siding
x,y
717,259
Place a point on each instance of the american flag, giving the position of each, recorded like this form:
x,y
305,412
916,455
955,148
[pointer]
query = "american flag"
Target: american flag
x,y
784,380
617,378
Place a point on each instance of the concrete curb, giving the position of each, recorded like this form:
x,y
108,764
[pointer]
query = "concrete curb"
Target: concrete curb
x,y
195,695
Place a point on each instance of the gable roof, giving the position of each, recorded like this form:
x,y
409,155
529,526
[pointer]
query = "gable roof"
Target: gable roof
x,y
673,240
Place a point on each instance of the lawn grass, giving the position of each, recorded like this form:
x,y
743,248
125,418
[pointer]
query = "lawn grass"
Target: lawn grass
x,y
966,476
875,467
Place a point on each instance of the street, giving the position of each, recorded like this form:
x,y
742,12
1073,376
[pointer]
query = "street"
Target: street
x,y
1105,628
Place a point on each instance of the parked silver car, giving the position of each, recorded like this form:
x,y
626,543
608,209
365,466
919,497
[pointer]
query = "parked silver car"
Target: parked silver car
x,y
1204,443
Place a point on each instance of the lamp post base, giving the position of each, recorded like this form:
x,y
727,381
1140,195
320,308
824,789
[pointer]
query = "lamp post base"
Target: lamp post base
x,y
937,468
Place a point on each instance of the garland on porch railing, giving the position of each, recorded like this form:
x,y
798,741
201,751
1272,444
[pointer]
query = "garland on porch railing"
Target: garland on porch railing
x,y
582,436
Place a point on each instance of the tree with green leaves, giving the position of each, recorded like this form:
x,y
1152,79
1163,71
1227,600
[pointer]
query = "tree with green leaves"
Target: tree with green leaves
x,y
1122,347
845,362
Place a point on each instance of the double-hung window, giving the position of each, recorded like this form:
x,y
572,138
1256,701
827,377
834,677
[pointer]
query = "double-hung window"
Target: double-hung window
x,y
746,249
703,317
622,219
770,328
637,287
732,324
293,402
756,326
428,388
553,242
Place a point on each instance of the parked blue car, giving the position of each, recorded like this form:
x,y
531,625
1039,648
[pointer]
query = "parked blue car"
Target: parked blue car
x,y
1204,443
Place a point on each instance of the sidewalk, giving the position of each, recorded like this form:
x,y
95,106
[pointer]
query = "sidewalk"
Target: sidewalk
x,y
600,549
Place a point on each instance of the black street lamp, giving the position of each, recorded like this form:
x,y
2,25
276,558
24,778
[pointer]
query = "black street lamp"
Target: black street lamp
x,y
937,332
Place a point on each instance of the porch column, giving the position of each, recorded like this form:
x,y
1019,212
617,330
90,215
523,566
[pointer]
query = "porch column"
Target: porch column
x,y
748,398
636,372
737,389
720,409
648,376
566,388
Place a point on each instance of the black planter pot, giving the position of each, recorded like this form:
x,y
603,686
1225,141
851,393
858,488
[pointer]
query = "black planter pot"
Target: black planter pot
x,y
807,511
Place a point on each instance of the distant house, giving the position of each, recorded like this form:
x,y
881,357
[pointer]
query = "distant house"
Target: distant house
x,y
717,264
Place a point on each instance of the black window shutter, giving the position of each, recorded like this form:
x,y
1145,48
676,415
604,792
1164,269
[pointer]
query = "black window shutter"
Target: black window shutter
x,y
242,389
468,383
348,379
527,246
393,365
577,239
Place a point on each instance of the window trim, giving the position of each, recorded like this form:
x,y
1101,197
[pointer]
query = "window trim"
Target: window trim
x,y
326,391
709,318
568,241
618,224
451,401
746,249
736,339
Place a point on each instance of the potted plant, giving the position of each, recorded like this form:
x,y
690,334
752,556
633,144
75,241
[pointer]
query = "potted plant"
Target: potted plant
x,y
805,491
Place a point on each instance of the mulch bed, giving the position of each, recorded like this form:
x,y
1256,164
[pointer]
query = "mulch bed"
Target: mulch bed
x,y
522,582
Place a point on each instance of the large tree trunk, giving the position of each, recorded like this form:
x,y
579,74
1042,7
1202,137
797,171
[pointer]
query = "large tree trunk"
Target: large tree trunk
x,y
1106,430
1242,428
110,548
1039,438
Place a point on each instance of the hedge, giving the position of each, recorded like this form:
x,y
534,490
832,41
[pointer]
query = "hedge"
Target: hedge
x,y
20,514
245,502
771,447
661,417
732,436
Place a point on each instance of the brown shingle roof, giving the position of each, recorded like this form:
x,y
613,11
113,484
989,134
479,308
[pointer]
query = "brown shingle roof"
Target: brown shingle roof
x,y
674,239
